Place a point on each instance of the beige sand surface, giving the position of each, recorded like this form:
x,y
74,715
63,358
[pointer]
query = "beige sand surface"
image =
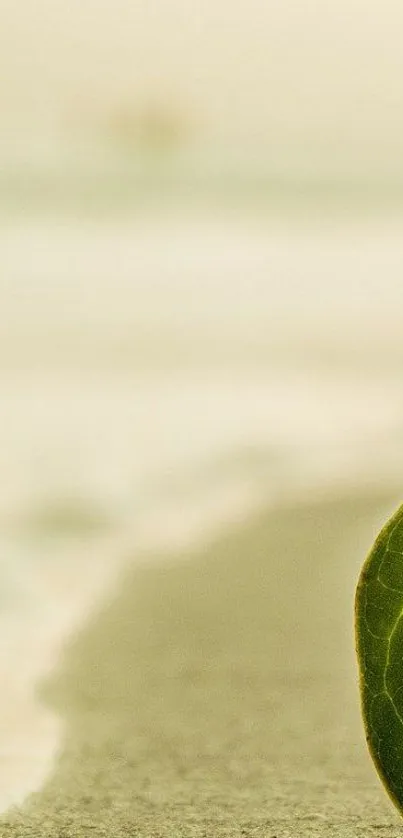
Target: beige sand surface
x,y
218,697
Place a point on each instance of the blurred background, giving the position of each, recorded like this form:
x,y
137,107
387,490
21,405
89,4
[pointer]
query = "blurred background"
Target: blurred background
x,y
201,286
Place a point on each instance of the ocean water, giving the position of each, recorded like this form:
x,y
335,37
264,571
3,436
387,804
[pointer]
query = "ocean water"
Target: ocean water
x,y
161,377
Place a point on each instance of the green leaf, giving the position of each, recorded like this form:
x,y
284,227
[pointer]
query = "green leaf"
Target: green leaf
x,y
379,638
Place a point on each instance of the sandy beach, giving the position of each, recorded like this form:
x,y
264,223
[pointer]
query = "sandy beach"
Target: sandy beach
x,y
200,439
218,696
201,412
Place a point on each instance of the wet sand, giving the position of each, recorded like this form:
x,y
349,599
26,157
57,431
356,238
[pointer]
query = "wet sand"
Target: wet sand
x,y
218,696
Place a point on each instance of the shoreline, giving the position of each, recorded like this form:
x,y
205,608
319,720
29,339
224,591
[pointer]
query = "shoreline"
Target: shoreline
x,y
169,694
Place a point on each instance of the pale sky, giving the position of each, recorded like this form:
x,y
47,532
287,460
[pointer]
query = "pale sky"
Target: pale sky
x,y
312,82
